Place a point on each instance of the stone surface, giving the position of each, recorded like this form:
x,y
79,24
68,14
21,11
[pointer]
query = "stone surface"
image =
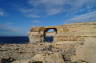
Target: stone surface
x,y
67,32
49,58
73,43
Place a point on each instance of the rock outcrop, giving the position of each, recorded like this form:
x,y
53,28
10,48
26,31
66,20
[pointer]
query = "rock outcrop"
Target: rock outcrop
x,y
67,32
69,43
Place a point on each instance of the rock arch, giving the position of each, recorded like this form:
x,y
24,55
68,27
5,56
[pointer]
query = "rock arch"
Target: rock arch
x,y
49,38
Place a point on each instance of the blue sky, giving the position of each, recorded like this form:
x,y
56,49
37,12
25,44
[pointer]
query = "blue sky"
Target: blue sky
x,y
18,16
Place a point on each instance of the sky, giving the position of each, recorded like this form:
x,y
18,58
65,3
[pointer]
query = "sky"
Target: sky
x,y
18,16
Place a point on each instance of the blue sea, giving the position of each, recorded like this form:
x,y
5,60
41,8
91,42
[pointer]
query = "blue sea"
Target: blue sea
x,y
13,39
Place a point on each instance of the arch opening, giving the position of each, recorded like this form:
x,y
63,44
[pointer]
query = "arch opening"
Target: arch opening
x,y
49,34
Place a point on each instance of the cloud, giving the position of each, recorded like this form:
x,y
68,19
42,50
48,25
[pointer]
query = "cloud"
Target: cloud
x,y
6,29
36,21
83,18
54,11
33,16
2,13
41,8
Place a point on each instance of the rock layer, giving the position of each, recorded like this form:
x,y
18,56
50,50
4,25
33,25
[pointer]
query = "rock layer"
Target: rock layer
x,y
67,32
72,43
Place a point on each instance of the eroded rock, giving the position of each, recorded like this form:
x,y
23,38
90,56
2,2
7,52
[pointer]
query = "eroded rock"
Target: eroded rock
x,y
70,43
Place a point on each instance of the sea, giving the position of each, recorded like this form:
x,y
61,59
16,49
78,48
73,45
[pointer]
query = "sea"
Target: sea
x,y
13,39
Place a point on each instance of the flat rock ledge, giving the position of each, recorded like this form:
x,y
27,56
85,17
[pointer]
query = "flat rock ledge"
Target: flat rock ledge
x,y
56,52
71,43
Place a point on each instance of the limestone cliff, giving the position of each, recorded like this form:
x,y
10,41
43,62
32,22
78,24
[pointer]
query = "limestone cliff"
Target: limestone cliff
x,y
69,43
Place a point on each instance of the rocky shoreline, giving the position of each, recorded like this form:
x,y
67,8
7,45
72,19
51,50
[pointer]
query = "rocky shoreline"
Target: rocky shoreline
x,y
64,52
68,47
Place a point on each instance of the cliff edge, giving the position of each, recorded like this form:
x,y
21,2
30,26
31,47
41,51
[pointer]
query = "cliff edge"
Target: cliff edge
x,y
69,43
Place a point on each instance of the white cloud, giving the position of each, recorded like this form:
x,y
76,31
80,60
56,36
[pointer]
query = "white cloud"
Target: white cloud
x,y
2,13
83,18
53,7
46,2
7,26
29,13
54,11
49,7
7,29
36,21
33,16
